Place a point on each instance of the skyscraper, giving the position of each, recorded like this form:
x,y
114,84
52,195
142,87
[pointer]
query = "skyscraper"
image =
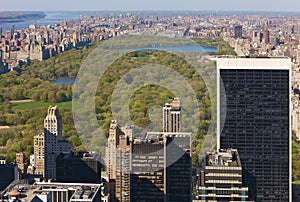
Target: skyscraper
x,y
238,31
266,36
172,116
53,123
117,158
161,168
156,168
150,185
254,117
48,145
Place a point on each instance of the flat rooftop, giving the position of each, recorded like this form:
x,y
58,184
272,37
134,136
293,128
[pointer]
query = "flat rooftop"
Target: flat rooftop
x,y
254,63
80,191
228,157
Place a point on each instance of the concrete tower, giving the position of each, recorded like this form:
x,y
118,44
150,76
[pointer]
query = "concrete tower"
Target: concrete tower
x,y
53,123
48,145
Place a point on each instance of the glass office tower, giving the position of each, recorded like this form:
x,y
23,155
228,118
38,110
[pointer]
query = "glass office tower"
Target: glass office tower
x,y
254,118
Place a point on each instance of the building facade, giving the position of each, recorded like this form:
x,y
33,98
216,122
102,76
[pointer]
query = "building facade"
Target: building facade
x,y
48,145
254,117
220,177
78,167
172,116
238,31
148,173
161,167
266,36
296,116
21,162
156,168
8,173
117,161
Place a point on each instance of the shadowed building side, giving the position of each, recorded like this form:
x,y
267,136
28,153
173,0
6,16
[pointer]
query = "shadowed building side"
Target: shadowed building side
x,y
78,167
254,110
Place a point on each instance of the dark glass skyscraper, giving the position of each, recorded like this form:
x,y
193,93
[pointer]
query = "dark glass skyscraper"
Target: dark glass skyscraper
x,y
254,118
238,31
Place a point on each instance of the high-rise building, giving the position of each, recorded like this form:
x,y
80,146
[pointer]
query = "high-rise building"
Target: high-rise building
x,y
154,168
161,167
48,145
179,166
172,116
254,117
238,31
148,156
53,124
123,163
220,177
117,161
266,36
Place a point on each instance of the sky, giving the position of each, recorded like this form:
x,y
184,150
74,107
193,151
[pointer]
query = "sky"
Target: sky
x,y
78,5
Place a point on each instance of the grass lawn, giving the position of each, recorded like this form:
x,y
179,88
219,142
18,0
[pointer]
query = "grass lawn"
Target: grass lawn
x,y
34,105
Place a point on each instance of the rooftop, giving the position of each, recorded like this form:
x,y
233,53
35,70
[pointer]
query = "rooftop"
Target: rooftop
x,y
228,157
79,154
254,63
79,191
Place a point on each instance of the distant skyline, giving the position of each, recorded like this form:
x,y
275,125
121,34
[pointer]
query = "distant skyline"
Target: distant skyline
x,y
91,5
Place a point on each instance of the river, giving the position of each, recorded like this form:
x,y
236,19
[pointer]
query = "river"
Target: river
x,y
52,18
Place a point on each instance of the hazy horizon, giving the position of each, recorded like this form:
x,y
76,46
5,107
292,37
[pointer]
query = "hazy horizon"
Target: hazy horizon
x,y
154,10
166,5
